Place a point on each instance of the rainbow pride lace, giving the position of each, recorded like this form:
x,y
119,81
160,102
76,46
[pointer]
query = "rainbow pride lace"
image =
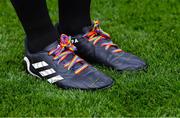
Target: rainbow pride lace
x,y
64,49
97,34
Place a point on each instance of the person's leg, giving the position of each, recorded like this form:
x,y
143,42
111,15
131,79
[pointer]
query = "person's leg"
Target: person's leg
x,y
74,15
36,22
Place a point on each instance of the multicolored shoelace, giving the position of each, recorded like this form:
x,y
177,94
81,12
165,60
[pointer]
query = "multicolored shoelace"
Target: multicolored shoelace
x,y
97,34
64,49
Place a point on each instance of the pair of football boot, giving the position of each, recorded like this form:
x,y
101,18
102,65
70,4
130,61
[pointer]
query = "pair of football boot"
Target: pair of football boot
x,y
64,65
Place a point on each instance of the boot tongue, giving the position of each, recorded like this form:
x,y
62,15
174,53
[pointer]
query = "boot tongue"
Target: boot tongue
x,y
51,46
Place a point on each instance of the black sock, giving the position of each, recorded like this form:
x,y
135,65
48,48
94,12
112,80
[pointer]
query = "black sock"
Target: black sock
x,y
74,15
36,22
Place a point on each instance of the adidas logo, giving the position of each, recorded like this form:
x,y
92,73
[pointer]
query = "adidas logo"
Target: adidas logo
x,y
50,72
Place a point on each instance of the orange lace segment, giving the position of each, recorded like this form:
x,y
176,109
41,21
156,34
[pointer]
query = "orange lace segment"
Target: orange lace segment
x,y
65,49
97,34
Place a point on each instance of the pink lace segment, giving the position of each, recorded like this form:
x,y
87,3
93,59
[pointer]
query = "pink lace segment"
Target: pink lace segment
x,y
97,34
65,49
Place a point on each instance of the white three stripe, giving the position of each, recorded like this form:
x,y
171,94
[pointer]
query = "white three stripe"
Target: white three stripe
x,y
55,79
39,64
47,72
43,73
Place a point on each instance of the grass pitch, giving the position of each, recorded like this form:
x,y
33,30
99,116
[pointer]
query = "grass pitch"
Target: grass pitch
x,y
147,28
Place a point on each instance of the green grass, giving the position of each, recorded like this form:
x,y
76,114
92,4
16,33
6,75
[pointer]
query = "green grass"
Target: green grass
x,y
148,28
